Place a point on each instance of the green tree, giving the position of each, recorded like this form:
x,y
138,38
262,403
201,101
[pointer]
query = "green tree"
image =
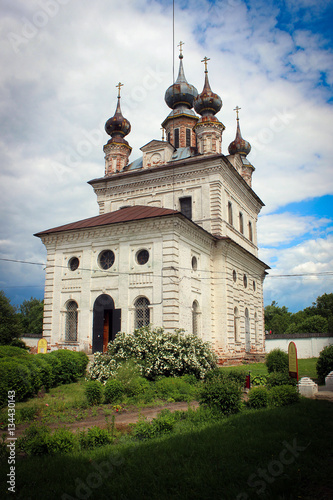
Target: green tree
x,y
277,319
31,314
311,324
323,307
10,323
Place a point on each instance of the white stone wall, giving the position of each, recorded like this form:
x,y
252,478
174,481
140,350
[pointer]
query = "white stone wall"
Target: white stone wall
x,y
307,347
210,181
168,281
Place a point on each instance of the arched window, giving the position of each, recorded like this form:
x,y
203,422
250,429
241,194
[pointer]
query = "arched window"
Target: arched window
x,y
256,327
247,331
195,318
71,322
236,324
142,312
188,137
176,138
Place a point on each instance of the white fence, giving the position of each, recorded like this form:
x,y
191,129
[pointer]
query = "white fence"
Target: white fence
x,y
308,345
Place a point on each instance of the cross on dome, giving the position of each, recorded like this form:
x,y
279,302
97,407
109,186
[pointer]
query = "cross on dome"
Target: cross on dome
x,y
119,87
180,45
204,60
237,110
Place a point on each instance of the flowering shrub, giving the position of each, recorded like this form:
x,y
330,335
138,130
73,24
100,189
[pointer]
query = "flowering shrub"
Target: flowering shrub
x,y
156,352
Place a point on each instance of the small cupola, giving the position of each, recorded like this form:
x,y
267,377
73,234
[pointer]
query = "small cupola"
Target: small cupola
x,y
180,97
238,150
208,129
117,149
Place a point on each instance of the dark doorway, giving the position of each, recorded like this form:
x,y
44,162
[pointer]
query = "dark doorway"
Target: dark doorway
x,y
106,322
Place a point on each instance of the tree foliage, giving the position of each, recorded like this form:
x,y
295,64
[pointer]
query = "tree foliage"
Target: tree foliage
x,y
10,324
317,318
31,314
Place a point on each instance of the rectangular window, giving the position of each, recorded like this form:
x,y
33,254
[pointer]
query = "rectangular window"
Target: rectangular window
x,y
230,212
188,137
169,136
176,138
250,232
186,206
241,223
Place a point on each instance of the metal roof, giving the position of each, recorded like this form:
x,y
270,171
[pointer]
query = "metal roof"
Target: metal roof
x,y
126,214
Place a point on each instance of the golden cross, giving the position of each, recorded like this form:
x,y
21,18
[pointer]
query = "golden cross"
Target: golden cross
x,y
205,59
180,45
119,86
237,110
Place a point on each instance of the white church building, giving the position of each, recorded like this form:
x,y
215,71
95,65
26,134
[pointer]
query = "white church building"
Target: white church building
x,y
175,241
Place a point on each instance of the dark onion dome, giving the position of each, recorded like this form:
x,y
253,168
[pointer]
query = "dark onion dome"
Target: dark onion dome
x,y
207,103
181,92
118,126
239,145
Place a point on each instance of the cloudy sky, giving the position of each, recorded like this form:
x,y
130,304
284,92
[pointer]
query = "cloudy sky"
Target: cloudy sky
x,y
60,62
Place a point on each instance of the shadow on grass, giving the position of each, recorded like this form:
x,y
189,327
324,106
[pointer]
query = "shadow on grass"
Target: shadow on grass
x,y
275,454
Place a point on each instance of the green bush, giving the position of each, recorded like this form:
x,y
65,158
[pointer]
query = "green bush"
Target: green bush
x,y
162,424
283,395
61,441
82,361
46,373
55,365
277,361
95,436
238,376
36,372
35,440
113,390
258,397
174,387
224,397
258,380
69,365
278,378
10,351
94,392
14,377
136,387
325,363
157,353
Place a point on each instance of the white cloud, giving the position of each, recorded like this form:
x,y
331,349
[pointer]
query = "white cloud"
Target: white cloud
x,y
281,229
57,89
296,292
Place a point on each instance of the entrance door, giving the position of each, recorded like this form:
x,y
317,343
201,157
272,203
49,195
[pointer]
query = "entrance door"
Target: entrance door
x,y
106,329
106,322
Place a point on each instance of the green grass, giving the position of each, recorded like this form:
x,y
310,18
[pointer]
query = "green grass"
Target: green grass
x,y
306,368
222,461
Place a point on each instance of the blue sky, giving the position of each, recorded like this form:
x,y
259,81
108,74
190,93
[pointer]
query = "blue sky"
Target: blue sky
x,y
60,65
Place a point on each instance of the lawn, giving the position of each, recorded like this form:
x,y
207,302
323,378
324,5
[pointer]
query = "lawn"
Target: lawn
x,y
306,368
281,453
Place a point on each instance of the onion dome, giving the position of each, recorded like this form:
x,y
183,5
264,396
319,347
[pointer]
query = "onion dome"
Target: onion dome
x,y
118,126
239,145
207,103
181,93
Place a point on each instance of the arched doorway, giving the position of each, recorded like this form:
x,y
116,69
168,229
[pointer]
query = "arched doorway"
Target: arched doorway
x,y
106,322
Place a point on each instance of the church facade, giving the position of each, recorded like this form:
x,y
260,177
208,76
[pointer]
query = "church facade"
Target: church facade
x,y
175,241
